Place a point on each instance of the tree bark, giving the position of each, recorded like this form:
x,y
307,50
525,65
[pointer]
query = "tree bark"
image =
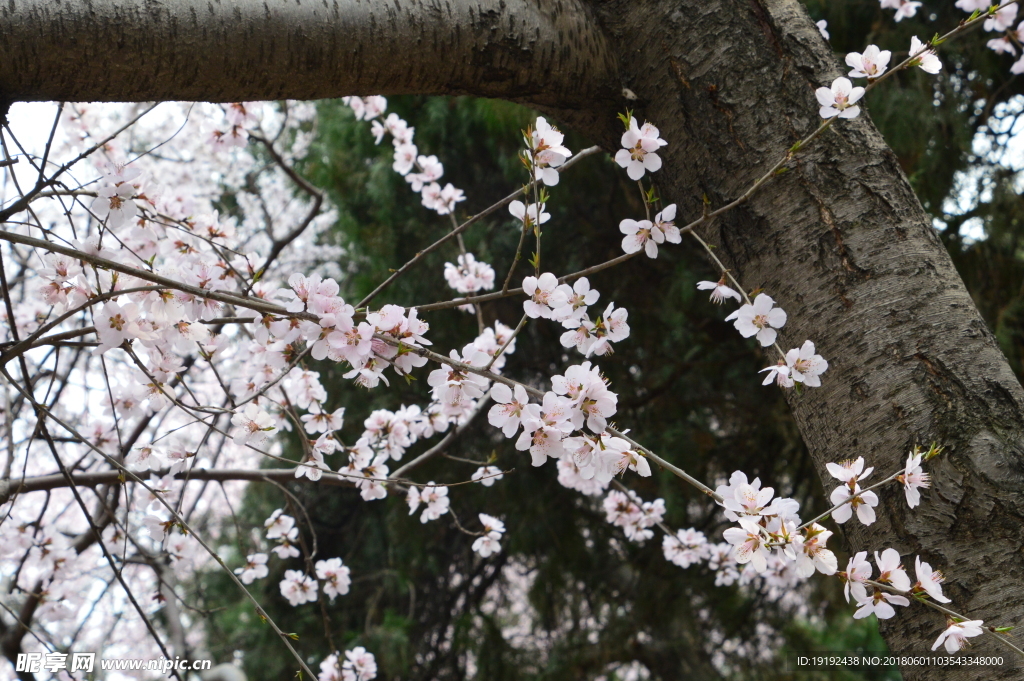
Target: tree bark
x,y
840,241
234,50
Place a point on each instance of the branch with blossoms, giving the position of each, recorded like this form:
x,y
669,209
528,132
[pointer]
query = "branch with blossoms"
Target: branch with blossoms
x,y
150,280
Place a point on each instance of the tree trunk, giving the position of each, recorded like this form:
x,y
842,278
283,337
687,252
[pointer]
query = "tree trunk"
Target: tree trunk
x,y
840,241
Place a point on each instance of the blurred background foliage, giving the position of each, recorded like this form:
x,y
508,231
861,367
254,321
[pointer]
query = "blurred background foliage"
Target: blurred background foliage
x,y
568,597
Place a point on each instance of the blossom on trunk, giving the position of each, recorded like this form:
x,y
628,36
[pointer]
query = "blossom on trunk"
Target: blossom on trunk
x,y
805,366
759,319
665,221
778,373
862,502
912,478
879,603
839,100
813,555
890,571
858,569
929,580
850,471
719,290
955,636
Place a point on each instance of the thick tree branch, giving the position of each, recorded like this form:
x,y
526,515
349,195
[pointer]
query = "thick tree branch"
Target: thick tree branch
x,y
233,50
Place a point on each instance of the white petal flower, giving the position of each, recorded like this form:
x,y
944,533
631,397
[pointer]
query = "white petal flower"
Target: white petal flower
x,y
912,478
890,571
298,588
927,60
868,64
805,366
760,319
879,604
1003,18
861,502
719,291
956,635
930,580
487,475
858,569
641,234
778,373
839,100
638,146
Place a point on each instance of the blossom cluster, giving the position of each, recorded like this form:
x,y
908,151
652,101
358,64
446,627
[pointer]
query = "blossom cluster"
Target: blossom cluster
x,y
761,319
635,516
841,99
467,275
407,157
690,547
254,366
151,367
297,587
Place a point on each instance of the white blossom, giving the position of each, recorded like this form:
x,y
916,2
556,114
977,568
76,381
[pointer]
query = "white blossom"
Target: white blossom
x,y
839,100
912,478
336,577
719,290
255,568
929,580
955,636
869,64
298,588
759,319
639,145
927,60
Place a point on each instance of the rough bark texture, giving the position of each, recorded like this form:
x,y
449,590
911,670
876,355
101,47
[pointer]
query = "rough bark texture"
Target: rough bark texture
x,y
846,248
840,241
